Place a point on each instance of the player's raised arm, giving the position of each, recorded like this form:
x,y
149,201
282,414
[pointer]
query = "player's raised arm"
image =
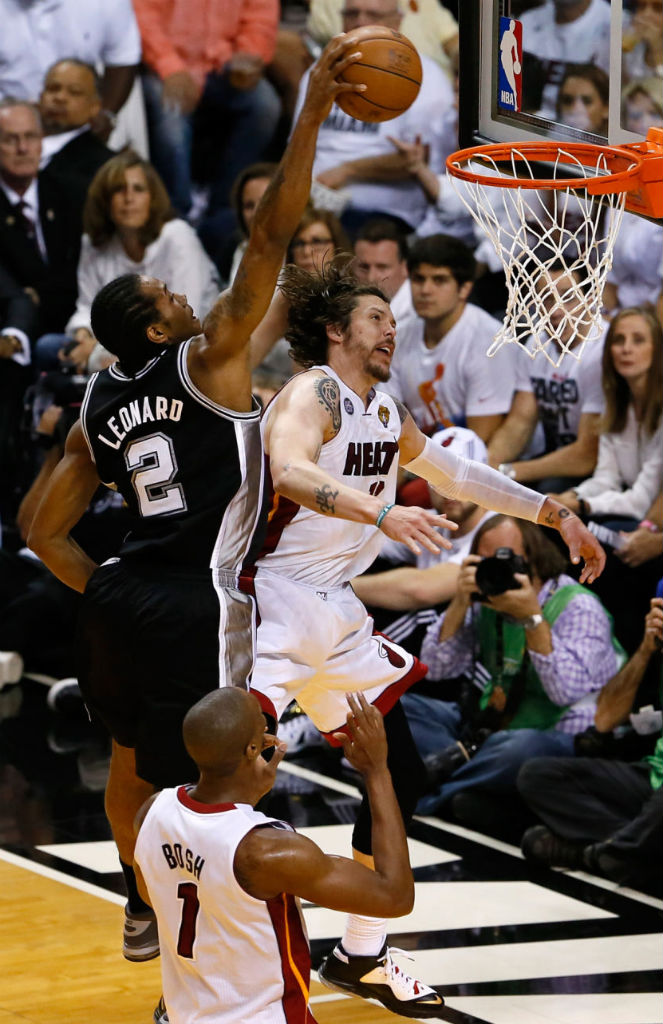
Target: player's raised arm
x,y
229,324
456,477
269,861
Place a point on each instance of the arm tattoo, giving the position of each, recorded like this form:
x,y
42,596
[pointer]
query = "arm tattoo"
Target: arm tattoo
x,y
403,413
563,513
329,396
325,498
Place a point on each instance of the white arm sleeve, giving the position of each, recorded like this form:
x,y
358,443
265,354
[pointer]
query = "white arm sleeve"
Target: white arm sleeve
x,y
456,477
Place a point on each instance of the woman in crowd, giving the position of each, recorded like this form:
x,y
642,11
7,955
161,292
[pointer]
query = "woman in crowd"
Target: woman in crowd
x,y
317,240
247,191
129,227
624,491
582,100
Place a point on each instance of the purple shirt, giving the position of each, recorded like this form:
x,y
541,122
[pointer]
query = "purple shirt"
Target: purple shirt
x,y
581,662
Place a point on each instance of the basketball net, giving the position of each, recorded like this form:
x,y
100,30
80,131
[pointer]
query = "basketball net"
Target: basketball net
x,y
555,242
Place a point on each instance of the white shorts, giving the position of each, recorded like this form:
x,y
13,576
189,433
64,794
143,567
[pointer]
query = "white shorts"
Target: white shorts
x,y
317,645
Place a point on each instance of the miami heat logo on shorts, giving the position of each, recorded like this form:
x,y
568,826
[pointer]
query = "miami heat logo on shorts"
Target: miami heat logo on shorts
x,y
383,415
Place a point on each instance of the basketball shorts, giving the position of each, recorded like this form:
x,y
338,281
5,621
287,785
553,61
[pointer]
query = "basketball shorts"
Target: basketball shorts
x,y
150,644
316,646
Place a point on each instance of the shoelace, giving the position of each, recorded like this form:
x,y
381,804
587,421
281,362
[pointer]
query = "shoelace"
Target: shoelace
x,y
399,977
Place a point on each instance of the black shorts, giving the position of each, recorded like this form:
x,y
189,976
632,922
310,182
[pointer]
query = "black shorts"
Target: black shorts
x,y
150,644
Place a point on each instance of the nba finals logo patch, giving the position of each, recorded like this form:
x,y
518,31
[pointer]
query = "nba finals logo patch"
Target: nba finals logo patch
x,y
510,77
383,415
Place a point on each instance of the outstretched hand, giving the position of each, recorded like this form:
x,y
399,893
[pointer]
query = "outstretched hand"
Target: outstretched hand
x,y
365,741
417,527
583,545
325,84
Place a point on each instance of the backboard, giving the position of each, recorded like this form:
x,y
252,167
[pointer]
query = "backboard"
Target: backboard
x,y
517,64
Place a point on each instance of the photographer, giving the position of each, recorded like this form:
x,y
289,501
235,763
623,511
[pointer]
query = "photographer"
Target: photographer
x,y
537,645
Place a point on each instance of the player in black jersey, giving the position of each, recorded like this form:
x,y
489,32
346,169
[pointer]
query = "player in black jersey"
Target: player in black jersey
x,y
174,427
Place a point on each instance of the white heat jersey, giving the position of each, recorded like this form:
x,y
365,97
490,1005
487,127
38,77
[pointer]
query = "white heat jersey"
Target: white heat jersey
x,y
323,550
226,958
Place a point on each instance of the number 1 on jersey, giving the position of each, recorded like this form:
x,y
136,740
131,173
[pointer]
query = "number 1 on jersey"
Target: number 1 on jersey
x,y
188,893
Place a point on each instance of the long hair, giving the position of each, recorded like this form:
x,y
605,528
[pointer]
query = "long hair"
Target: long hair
x,y
616,390
108,180
318,300
543,556
121,313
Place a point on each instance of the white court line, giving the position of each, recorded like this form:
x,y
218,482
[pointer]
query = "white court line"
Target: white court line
x,y
477,837
60,876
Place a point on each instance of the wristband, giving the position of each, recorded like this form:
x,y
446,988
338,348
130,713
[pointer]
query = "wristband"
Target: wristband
x,y
382,513
506,468
110,116
647,524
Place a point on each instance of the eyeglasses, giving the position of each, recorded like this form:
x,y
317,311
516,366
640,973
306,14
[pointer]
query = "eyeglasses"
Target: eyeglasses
x,y
312,243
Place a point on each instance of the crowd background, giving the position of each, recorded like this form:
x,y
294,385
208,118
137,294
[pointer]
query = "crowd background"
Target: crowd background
x,y
143,141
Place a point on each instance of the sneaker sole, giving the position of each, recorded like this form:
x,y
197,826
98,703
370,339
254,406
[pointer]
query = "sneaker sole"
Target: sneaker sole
x,y
418,1011
139,958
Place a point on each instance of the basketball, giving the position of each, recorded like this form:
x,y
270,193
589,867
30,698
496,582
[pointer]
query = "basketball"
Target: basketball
x,y
516,67
390,67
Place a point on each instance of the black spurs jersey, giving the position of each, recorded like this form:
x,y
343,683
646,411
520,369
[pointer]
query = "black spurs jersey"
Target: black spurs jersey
x,y
190,471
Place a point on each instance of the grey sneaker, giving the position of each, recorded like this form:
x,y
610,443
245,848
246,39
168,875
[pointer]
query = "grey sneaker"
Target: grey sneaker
x,y
141,938
161,1013
378,977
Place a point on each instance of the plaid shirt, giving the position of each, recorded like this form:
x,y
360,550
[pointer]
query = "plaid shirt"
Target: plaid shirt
x,y
581,662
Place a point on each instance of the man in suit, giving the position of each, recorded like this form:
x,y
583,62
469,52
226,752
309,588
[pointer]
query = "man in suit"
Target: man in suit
x,y
69,103
39,233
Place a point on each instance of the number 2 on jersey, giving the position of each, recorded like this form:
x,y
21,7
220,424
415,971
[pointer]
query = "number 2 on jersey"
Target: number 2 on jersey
x,y
154,466
188,893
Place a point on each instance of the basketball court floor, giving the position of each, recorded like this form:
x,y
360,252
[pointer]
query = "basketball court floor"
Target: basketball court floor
x,y
503,942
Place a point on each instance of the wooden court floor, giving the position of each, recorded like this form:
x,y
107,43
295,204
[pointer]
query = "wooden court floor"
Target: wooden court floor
x,y
60,961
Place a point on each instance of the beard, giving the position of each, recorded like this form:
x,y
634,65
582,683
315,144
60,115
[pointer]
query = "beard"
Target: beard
x,y
381,373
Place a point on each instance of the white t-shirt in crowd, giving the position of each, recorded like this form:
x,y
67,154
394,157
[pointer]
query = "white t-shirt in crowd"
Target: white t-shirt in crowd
x,y
563,393
342,138
176,257
442,386
636,261
583,41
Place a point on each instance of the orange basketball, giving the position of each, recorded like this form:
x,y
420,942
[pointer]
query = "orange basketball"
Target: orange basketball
x,y
390,67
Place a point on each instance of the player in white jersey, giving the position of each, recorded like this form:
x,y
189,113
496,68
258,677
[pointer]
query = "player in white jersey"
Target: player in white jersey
x,y
332,440
224,878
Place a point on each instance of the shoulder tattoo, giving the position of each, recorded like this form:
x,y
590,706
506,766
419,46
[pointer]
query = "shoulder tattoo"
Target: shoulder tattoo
x,y
329,396
403,413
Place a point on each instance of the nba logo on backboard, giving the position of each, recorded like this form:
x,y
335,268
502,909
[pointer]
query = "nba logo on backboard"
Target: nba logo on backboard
x,y
510,64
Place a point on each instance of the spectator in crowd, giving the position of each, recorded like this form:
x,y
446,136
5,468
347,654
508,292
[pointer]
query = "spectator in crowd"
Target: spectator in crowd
x,y
381,258
214,94
129,228
634,278
440,370
642,41
359,157
70,101
247,191
627,477
555,416
642,105
561,32
90,30
582,100
403,599
39,237
428,24
318,238
623,493
601,814
539,651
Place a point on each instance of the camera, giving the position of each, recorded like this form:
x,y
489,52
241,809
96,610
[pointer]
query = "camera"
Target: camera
x,y
497,574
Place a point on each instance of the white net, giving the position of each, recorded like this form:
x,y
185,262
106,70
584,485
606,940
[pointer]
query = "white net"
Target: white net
x,y
555,245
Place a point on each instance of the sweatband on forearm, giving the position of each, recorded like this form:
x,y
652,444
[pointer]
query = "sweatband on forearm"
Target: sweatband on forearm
x,y
465,480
